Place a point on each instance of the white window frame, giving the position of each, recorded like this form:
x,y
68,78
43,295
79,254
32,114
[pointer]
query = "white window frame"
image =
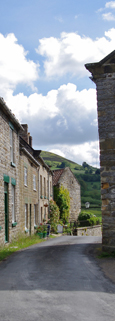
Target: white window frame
x,y
25,176
13,203
34,182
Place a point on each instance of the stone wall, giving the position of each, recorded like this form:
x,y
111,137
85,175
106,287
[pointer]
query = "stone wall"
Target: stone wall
x,y
103,74
69,181
45,192
28,195
106,120
9,172
89,231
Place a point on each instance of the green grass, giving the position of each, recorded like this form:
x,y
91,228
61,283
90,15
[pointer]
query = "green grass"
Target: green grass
x,y
106,255
20,243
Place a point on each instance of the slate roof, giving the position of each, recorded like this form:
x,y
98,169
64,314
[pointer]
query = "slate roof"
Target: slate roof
x,y
9,114
56,175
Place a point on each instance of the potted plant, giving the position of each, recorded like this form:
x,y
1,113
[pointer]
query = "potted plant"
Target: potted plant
x,y
40,231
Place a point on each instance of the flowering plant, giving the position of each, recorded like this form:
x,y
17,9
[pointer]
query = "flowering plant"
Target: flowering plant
x,y
41,228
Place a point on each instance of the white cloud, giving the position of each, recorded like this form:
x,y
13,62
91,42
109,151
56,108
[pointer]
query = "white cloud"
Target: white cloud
x,y
70,52
108,16
57,152
64,117
110,4
15,68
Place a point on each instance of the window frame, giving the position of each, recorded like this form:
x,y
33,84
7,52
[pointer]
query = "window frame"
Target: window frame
x,y
25,176
13,203
34,182
26,217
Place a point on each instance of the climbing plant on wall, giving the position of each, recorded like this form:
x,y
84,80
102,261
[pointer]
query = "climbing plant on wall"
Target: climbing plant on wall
x,y
62,198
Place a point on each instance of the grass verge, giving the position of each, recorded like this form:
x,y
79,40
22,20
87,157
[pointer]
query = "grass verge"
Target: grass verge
x,y
21,242
106,255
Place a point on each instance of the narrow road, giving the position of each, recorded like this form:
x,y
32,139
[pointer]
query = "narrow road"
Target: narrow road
x,y
55,281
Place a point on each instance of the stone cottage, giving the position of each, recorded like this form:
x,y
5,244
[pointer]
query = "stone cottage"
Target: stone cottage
x,y
25,179
37,190
9,174
45,187
66,178
29,188
103,75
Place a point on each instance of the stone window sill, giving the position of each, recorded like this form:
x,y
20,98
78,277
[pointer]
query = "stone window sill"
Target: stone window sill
x,y
26,230
13,164
14,224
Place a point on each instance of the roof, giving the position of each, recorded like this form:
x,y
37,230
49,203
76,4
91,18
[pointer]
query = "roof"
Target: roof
x,y
9,114
56,175
106,65
23,149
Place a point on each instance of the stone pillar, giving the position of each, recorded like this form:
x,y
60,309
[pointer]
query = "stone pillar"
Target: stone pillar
x,y
103,74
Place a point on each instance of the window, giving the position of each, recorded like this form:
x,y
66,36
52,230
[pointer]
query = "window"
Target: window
x,y
11,146
41,185
13,203
25,176
44,213
34,182
47,189
35,215
50,189
26,216
44,187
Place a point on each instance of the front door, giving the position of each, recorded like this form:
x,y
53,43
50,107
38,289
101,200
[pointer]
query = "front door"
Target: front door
x,y
6,210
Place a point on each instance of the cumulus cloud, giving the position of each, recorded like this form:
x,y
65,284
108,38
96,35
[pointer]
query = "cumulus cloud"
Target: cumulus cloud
x,y
63,116
110,4
70,52
108,16
15,68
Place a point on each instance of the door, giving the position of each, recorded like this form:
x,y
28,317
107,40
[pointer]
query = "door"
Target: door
x,y
6,211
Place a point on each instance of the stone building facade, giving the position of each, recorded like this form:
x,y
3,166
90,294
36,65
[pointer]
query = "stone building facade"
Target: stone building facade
x,y
9,174
22,206
45,187
66,178
103,74
29,189
34,200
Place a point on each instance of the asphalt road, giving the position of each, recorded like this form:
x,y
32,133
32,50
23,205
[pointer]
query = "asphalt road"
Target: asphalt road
x,y
55,281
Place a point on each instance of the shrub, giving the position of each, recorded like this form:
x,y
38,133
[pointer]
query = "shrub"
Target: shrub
x,y
54,215
87,219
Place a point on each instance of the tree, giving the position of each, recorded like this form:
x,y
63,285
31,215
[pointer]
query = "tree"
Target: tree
x,y
62,198
85,165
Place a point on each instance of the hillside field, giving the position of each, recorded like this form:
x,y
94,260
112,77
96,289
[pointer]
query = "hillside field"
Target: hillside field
x,y
88,177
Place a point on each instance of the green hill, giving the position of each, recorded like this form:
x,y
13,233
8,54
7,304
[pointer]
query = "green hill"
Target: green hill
x,y
88,177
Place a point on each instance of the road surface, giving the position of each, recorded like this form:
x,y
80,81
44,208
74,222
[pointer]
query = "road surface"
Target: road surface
x,y
55,281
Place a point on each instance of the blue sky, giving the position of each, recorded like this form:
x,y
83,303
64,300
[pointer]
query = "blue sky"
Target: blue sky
x,y
44,46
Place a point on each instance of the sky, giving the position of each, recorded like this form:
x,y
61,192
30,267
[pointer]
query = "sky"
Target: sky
x,y
44,45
